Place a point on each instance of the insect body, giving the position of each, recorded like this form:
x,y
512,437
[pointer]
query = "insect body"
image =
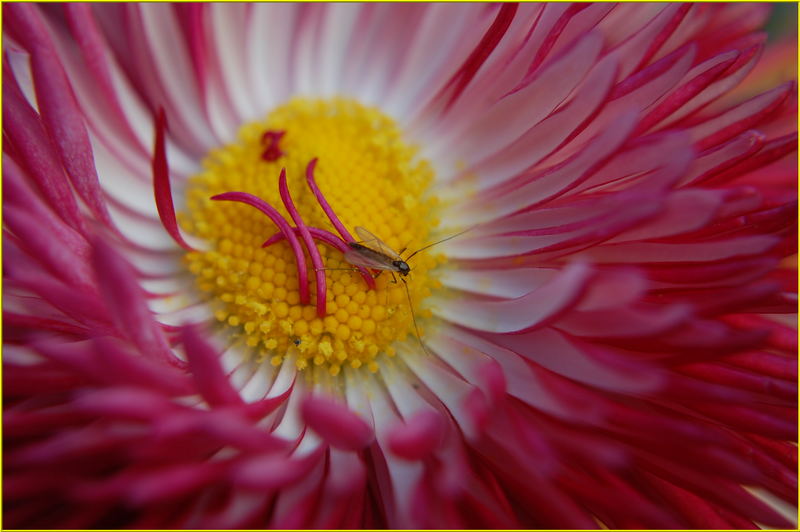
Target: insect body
x,y
373,253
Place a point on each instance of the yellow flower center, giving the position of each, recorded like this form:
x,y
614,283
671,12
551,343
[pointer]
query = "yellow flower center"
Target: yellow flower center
x,y
370,178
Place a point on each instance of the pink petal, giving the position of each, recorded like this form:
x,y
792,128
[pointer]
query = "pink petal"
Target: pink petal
x,y
765,363
323,57
336,424
684,211
493,380
566,356
206,370
501,73
517,114
633,209
580,22
296,506
619,504
222,427
746,418
171,482
524,313
704,338
121,367
559,129
552,36
73,356
56,255
430,58
649,86
740,379
700,77
772,150
43,422
636,50
614,288
21,327
347,473
508,284
161,184
700,513
31,145
646,252
647,75
418,437
642,160
68,445
127,304
625,322
456,85
735,72
155,48
740,118
84,307
718,491
546,184
18,189
730,25
59,111
93,46
125,403
225,28
784,452
478,407
278,21
722,157
449,388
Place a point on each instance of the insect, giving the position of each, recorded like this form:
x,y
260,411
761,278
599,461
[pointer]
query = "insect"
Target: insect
x,y
372,252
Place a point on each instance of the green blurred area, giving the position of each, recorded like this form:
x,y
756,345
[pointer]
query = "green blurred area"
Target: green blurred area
x,y
783,21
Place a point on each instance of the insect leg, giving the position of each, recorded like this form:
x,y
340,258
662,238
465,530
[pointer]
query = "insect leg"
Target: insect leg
x,y
414,319
351,270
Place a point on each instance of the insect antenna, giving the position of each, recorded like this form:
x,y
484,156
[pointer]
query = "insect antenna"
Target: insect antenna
x,y
413,318
439,242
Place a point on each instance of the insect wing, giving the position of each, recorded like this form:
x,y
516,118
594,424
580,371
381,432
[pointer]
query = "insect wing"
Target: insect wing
x,y
367,260
376,244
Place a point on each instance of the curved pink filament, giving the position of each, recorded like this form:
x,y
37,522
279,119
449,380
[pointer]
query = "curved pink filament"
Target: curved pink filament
x,y
346,236
285,228
326,237
161,186
316,258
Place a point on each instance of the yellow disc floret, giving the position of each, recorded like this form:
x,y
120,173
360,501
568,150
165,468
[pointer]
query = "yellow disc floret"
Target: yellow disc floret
x,y
370,177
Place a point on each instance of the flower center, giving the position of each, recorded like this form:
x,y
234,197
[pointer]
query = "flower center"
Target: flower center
x,y
370,178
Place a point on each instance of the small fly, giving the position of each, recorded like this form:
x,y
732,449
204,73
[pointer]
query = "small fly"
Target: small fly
x,y
372,252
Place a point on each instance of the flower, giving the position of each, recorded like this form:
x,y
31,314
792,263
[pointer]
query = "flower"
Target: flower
x,y
603,333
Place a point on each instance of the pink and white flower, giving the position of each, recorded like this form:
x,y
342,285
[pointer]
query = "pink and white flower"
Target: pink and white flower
x,y
613,344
